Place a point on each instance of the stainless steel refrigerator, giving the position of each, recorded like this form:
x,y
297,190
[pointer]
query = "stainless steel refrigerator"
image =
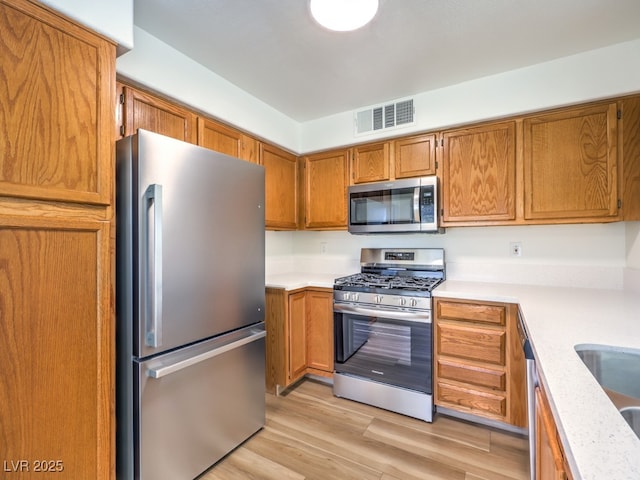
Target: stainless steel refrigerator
x,y
190,306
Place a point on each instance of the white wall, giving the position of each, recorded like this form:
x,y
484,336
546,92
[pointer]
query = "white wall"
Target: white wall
x,y
601,73
162,68
589,255
111,18
632,251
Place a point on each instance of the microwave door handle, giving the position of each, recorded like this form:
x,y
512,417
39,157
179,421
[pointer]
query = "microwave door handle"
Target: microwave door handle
x,y
416,205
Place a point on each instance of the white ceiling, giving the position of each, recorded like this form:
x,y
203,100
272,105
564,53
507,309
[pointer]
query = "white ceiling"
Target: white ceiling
x,y
273,50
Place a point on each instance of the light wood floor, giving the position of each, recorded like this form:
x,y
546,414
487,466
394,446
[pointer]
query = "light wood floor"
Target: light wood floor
x,y
310,434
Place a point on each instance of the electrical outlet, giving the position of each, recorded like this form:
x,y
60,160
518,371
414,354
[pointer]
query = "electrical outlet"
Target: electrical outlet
x,y
516,249
323,247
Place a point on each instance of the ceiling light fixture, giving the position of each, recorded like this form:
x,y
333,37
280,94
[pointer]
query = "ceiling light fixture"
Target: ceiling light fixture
x,y
343,15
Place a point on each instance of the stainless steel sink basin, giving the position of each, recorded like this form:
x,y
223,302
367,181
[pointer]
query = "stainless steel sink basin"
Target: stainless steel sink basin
x,y
618,373
632,416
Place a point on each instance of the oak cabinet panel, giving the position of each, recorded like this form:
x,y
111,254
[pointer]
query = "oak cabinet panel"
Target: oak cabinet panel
x,y
472,343
475,400
223,139
550,458
471,373
479,363
479,173
325,181
370,163
152,113
297,336
402,158
299,327
57,346
56,115
281,188
319,330
415,156
630,112
57,106
570,164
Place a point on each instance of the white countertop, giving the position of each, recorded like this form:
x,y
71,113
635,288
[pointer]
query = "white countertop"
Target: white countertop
x,y
598,442
295,280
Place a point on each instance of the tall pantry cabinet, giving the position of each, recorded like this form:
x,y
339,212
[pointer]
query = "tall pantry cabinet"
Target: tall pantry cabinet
x,y
57,96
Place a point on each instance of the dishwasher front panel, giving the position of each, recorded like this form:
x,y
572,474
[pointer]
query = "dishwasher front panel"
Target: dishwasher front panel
x,y
197,404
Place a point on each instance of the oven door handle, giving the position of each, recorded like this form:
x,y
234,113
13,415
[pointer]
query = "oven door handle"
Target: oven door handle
x,y
417,316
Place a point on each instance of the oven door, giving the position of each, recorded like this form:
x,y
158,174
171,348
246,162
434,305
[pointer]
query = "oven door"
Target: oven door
x,y
385,345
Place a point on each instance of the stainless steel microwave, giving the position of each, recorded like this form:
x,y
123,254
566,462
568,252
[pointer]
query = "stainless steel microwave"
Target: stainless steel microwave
x,y
402,206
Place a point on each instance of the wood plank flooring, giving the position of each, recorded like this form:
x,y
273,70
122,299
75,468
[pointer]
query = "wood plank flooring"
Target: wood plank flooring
x,y
310,434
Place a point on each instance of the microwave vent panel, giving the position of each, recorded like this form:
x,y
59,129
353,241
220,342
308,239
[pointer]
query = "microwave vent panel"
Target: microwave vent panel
x,y
382,117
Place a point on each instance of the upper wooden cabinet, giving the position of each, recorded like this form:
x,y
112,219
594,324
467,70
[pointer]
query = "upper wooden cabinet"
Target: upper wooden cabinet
x,y
281,188
146,111
571,164
219,137
630,155
402,158
479,173
415,156
325,180
370,163
56,114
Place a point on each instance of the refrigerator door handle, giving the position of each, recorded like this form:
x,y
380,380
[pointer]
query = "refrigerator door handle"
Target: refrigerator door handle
x,y
153,320
177,366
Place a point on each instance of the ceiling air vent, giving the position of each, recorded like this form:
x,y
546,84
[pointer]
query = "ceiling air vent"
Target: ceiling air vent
x,y
383,117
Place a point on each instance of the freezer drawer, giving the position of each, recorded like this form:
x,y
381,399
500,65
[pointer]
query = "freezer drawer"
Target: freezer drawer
x,y
198,403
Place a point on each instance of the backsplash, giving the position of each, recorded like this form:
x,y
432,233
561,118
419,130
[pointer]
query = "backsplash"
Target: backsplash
x,y
584,255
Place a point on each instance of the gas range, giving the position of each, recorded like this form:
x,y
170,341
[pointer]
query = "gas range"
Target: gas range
x,y
383,333
393,277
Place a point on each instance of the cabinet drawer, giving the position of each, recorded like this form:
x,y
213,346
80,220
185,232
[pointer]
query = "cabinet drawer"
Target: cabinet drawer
x,y
472,312
490,403
472,374
473,343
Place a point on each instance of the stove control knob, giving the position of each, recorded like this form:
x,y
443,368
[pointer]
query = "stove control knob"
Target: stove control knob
x,y
345,296
402,301
414,302
354,297
377,299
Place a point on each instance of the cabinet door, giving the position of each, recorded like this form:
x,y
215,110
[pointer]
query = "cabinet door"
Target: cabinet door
x,y
630,108
320,330
325,190
549,455
146,111
570,165
297,336
478,174
370,163
56,347
223,139
56,107
281,188
415,156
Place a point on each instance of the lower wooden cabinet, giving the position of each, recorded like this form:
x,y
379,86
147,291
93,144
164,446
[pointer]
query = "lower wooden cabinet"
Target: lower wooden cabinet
x,y
299,335
479,366
56,347
551,462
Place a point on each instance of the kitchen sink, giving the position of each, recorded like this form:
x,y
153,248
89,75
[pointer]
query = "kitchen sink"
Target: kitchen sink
x,y
618,373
